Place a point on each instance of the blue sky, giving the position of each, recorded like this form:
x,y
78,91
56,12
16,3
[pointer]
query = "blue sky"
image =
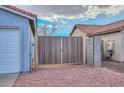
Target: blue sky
x,y
67,28
65,17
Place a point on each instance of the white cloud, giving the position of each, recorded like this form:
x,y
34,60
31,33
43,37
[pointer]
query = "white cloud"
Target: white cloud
x,y
114,10
63,22
49,26
93,11
54,12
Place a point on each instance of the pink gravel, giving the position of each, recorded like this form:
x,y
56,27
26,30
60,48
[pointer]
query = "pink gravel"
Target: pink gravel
x,y
75,76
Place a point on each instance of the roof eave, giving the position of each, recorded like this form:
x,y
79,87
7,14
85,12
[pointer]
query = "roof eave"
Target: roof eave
x,y
72,30
21,14
105,32
76,28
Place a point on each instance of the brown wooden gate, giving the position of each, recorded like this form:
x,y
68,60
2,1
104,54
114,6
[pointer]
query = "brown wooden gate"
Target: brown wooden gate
x,y
60,50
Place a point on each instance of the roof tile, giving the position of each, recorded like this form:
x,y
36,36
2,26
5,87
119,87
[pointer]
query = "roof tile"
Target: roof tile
x,y
94,29
20,10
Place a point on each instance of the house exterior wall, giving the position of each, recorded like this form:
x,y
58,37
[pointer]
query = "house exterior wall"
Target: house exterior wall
x,y
116,37
32,40
79,33
32,48
10,19
122,45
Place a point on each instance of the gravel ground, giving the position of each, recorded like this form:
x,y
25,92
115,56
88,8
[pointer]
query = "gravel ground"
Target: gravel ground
x,y
74,76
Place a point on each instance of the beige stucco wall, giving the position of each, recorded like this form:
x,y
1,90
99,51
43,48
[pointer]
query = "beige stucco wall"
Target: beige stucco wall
x,y
122,45
79,33
32,42
117,38
32,48
35,55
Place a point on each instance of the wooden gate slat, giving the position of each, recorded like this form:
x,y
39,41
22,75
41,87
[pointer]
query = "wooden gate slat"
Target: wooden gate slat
x,y
58,50
50,50
53,50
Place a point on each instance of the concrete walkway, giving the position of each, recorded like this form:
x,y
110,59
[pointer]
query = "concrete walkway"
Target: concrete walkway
x,y
8,80
115,66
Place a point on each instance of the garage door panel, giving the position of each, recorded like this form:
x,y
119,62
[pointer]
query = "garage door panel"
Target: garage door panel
x,y
2,62
7,57
11,43
9,33
9,51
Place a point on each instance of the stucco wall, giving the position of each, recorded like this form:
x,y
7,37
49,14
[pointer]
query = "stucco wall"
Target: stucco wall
x,y
122,46
32,41
79,33
117,38
10,19
32,48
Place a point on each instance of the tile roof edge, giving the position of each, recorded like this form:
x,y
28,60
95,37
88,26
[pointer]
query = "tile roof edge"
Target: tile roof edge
x,y
20,10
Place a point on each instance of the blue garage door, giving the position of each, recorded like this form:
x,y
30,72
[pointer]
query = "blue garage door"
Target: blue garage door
x,y
9,51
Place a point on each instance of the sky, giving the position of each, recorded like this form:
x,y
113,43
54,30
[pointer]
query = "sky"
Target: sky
x,y
66,16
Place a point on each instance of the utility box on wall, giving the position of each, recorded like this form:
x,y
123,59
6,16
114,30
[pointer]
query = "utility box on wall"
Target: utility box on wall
x,y
93,51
